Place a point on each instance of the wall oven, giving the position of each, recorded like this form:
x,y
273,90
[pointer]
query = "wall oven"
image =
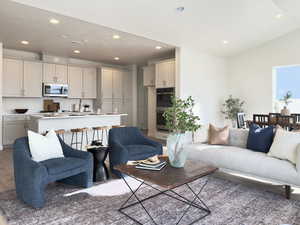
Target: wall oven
x,y
55,90
160,120
163,102
164,97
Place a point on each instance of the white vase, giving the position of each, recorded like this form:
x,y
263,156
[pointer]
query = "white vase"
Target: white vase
x,y
176,151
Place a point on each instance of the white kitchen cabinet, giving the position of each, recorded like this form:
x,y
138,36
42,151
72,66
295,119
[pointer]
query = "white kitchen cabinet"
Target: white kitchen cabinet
x,y
32,79
82,82
106,106
61,72
107,84
75,81
13,78
14,127
55,73
127,85
89,83
128,109
165,74
117,84
149,75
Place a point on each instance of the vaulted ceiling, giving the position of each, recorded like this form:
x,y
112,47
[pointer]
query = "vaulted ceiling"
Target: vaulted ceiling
x,y
220,27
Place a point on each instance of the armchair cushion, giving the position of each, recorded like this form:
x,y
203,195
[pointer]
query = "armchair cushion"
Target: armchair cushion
x,y
138,152
44,147
61,165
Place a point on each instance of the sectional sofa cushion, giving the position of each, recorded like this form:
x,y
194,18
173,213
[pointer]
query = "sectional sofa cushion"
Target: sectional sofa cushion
x,y
44,147
260,139
285,145
218,136
246,162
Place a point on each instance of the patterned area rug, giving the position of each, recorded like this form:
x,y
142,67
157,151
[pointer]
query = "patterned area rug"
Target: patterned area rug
x,y
231,204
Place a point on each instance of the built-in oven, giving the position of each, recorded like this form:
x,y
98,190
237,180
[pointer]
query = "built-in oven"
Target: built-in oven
x,y
160,120
55,90
164,97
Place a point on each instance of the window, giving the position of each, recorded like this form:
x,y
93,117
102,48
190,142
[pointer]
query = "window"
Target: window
x,y
287,79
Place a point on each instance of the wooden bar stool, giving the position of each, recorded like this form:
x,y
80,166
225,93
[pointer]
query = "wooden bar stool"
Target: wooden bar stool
x,y
103,129
75,133
61,133
117,126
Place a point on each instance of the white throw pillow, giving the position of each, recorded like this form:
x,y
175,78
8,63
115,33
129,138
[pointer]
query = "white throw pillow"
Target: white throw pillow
x,y
44,147
285,145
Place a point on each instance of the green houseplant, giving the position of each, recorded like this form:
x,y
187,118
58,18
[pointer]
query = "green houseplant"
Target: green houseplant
x,y
286,99
231,107
180,119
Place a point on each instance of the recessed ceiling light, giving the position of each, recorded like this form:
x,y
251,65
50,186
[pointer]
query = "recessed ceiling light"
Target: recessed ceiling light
x,y
225,42
54,21
279,16
117,58
76,51
25,42
158,47
180,9
116,36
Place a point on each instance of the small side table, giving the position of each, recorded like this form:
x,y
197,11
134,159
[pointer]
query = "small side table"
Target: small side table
x,y
100,172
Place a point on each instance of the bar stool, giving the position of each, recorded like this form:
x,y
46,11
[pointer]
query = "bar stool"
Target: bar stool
x,y
117,126
75,133
61,133
103,129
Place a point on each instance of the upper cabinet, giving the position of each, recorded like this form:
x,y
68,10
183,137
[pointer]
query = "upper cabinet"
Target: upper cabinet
x,y
89,83
149,75
33,79
13,78
82,82
117,84
75,82
106,83
22,78
54,73
165,74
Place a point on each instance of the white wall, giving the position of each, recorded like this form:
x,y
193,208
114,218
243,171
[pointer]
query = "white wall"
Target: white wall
x,y
204,77
250,73
1,108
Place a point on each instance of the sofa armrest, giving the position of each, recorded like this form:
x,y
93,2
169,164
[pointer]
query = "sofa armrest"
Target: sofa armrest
x,y
118,153
298,158
25,169
71,152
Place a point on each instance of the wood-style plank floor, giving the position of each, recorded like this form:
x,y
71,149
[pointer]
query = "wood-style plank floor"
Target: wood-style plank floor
x,y
7,178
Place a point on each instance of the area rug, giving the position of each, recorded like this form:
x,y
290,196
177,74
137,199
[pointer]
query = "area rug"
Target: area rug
x,y
231,204
110,188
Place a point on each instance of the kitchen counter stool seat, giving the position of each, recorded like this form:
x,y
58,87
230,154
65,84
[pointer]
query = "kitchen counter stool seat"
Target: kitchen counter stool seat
x,y
96,131
82,132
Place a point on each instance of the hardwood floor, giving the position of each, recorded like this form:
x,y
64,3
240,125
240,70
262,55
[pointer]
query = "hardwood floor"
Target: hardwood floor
x,y
6,170
7,178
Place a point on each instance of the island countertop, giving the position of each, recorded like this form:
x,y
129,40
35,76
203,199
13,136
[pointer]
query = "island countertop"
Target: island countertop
x,y
73,116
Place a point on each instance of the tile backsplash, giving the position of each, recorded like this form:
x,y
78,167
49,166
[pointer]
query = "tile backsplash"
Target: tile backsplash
x,y
36,104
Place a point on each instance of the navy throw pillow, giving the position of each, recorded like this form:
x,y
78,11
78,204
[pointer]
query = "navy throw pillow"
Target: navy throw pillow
x,y
260,139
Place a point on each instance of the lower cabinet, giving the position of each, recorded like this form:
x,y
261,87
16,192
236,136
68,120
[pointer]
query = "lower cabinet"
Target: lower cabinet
x,y
13,130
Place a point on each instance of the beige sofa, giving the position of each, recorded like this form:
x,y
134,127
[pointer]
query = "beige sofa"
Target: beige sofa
x,y
235,157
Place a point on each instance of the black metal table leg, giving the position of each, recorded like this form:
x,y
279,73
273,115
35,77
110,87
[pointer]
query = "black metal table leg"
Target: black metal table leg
x,y
190,203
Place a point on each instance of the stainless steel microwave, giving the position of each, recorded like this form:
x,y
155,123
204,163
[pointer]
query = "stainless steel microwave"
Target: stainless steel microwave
x,y
55,90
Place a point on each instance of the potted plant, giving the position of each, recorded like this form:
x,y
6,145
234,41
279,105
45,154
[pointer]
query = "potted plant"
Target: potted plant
x,y
180,119
231,108
286,99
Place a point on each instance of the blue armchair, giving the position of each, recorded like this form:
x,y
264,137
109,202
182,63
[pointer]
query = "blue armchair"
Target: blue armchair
x,y
128,143
31,177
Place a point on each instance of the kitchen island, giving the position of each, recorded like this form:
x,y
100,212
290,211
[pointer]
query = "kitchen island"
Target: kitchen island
x,y
46,122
